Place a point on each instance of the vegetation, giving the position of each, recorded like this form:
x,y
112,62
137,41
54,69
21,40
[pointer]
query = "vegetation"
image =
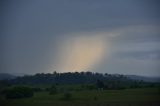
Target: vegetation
x,y
127,97
67,96
53,90
106,81
19,92
80,89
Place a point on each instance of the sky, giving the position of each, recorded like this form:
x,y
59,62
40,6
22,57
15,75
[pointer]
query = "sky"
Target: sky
x,y
105,36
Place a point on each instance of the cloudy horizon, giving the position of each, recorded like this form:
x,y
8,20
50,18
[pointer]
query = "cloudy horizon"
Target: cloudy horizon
x,y
105,36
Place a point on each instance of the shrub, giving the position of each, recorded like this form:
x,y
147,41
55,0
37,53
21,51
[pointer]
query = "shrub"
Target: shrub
x,y
67,96
91,87
19,92
53,90
95,98
37,89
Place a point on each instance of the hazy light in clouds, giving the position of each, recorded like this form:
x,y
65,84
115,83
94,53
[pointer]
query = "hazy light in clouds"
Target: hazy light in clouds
x,y
80,53
37,36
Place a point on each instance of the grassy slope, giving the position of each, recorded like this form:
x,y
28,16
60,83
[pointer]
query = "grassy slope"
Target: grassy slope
x,y
129,97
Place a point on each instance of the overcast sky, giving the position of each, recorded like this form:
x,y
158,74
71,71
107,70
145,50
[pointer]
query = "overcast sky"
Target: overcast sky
x,y
108,36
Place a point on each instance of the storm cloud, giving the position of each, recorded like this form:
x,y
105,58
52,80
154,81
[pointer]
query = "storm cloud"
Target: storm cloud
x,y
37,35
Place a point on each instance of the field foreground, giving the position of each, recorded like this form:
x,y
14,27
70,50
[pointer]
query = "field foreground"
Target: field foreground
x,y
128,97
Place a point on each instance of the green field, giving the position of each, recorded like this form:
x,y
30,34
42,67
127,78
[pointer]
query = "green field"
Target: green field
x,y
128,97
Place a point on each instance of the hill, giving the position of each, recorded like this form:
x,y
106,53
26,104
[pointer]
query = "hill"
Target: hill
x,y
146,79
6,76
110,81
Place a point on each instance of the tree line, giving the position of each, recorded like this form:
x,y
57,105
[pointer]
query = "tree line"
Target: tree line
x,y
110,81
22,87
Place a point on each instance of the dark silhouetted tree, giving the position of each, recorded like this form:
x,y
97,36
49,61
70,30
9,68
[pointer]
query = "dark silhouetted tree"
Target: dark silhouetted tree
x,y
100,84
19,92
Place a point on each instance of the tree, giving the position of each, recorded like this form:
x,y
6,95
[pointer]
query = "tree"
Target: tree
x,y
53,90
19,92
100,84
67,96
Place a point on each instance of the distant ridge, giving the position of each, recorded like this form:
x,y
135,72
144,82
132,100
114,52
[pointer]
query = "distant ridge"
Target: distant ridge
x,y
144,78
6,76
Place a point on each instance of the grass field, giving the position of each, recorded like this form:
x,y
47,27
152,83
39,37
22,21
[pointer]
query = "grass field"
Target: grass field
x,y
128,97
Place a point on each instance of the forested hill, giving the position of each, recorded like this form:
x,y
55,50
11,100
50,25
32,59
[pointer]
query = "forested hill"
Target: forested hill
x,y
68,78
6,76
111,81
74,78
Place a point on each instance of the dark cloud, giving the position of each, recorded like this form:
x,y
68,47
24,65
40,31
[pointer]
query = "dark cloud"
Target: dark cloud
x,y
32,31
139,55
